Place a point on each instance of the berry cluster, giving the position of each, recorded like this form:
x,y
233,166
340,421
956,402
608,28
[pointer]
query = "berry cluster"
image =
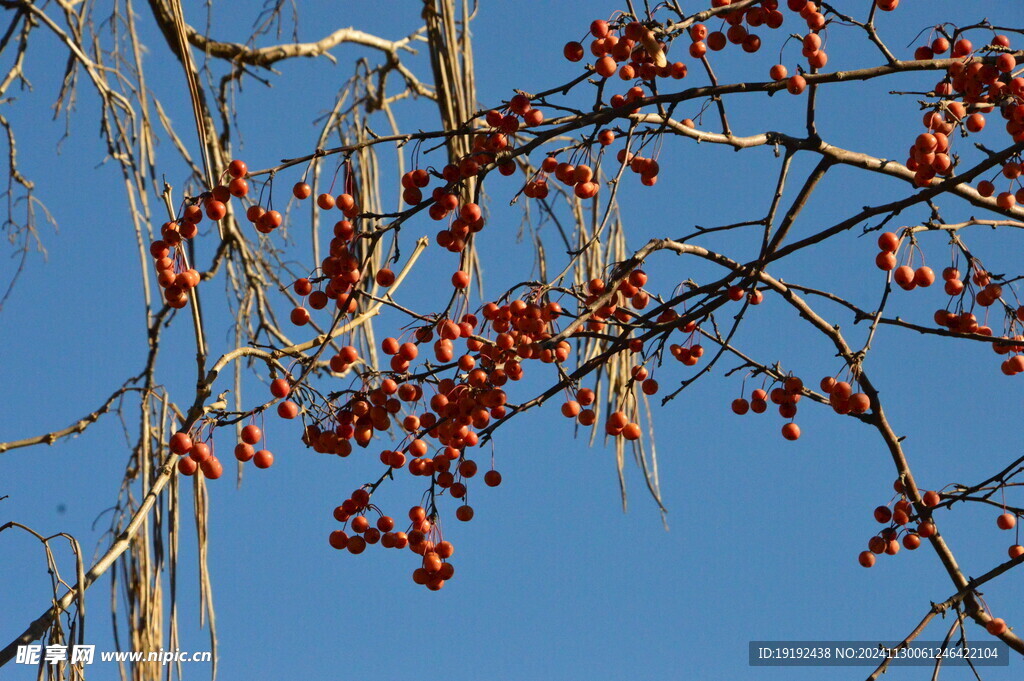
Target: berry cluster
x,y
905,276
635,47
195,456
842,398
246,449
969,90
169,260
785,396
628,293
423,537
342,270
173,274
898,520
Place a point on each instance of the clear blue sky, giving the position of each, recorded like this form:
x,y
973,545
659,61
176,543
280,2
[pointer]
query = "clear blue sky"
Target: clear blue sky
x,y
553,580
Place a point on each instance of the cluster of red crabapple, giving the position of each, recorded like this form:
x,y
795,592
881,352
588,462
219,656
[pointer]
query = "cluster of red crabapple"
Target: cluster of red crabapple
x,y
785,396
198,455
901,515
898,521
174,278
423,535
964,321
496,351
981,88
633,52
168,253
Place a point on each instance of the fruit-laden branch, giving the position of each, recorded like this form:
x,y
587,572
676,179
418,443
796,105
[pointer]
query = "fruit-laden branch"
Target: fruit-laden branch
x,y
877,417
861,314
680,26
956,184
255,270
894,444
322,339
568,124
167,470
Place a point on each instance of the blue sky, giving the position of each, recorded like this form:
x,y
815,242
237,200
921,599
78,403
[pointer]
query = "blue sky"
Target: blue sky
x,y
553,580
